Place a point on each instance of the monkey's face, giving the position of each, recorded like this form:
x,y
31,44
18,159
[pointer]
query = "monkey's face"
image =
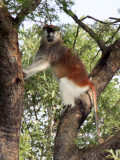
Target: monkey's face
x,y
51,34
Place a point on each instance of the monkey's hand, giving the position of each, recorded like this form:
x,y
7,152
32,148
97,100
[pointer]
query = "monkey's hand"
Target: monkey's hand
x,y
25,73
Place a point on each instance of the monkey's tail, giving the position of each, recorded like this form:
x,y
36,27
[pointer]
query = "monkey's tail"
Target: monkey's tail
x,y
95,105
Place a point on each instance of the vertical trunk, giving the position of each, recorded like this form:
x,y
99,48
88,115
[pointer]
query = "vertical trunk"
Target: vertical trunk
x,y
11,88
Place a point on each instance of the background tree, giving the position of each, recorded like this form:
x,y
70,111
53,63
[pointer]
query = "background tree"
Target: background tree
x,y
100,51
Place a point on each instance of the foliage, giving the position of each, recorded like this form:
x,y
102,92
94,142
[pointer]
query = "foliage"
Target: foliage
x,y
106,31
42,103
46,12
25,147
114,155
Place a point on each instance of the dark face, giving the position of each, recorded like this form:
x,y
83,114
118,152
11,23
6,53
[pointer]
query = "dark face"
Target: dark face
x,y
50,36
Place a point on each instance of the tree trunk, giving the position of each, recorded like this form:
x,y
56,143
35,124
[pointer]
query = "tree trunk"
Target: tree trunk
x,y
11,88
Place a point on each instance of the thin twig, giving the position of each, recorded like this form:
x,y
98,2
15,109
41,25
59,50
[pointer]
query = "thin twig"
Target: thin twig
x,y
94,19
113,35
93,60
77,32
116,20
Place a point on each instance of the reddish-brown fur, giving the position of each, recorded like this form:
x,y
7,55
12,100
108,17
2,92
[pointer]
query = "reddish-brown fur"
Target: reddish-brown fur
x,y
71,66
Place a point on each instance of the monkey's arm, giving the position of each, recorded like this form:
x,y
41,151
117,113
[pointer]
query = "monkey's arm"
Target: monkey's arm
x,y
36,67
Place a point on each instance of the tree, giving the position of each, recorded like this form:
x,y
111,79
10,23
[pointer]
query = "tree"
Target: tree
x,y
12,14
11,83
11,86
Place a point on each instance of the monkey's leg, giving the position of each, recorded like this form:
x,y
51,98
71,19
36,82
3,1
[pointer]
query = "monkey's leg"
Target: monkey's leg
x,y
70,91
66,90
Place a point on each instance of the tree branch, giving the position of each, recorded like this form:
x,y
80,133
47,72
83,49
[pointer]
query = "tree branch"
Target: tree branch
x,y
77,32
99,152
97,39
26,9
94,19
93,60
116,20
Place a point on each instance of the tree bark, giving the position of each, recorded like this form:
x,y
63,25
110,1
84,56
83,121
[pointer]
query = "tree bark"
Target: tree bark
x,y
11,88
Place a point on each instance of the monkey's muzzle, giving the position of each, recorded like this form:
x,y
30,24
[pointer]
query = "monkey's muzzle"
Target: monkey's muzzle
x,y
50,38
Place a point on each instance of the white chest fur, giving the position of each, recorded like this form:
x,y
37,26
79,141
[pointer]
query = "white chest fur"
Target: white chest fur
x,y
70,91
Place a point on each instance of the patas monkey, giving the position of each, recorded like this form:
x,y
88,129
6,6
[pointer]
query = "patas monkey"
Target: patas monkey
x,y
67,67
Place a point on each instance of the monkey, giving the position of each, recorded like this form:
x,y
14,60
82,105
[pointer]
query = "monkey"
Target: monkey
x,y
67,67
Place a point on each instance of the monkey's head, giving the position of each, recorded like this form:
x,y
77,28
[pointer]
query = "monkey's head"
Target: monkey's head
x,y
51,34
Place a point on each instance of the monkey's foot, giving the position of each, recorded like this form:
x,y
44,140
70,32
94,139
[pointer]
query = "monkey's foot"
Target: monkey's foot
x,y
65,109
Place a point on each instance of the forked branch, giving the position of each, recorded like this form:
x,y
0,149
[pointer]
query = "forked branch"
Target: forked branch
x,y
94,19
97,39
